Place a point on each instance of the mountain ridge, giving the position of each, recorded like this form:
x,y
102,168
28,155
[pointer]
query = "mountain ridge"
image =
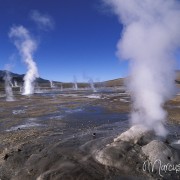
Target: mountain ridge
x,y
114,82
19,77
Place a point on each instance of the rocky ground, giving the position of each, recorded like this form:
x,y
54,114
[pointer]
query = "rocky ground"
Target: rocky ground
x,y
71,135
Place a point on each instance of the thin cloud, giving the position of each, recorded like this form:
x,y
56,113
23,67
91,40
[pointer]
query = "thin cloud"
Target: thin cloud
x,y
43,21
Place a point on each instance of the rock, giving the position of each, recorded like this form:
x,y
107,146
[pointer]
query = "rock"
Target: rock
x,y
125,148
113,155
136,149
136,134
158,150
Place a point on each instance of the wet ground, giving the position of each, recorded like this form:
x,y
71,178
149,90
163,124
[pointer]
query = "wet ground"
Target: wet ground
x,y
53,135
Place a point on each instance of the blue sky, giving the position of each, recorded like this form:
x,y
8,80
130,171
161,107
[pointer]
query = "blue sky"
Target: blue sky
x,y
82,42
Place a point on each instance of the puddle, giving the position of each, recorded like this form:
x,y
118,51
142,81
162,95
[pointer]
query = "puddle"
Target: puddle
x,y
124,100
58,117
16,112
94,96
92,116
69,95
70,111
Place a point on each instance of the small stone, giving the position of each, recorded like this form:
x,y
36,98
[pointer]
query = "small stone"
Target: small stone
x,y
6,157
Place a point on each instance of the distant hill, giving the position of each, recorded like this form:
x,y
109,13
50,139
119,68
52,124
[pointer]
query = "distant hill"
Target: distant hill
x,y
120,81
40,82
114,82
19,77
43,83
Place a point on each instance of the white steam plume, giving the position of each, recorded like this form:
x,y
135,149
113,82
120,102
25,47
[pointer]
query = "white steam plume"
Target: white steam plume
x,y
150,37
8,84
26,46
51,84
43,21
91,82
75,84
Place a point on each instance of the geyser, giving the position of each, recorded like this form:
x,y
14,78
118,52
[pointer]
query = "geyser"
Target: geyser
x,y
52,84
8,86
15,84
91,82
26,46
61,87
75,86
150,38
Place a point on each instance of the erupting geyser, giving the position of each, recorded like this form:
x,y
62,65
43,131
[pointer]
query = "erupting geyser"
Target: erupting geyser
x,y
75,84
15,84
149,40
91,82
8,87
51,84
61,87
26,46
